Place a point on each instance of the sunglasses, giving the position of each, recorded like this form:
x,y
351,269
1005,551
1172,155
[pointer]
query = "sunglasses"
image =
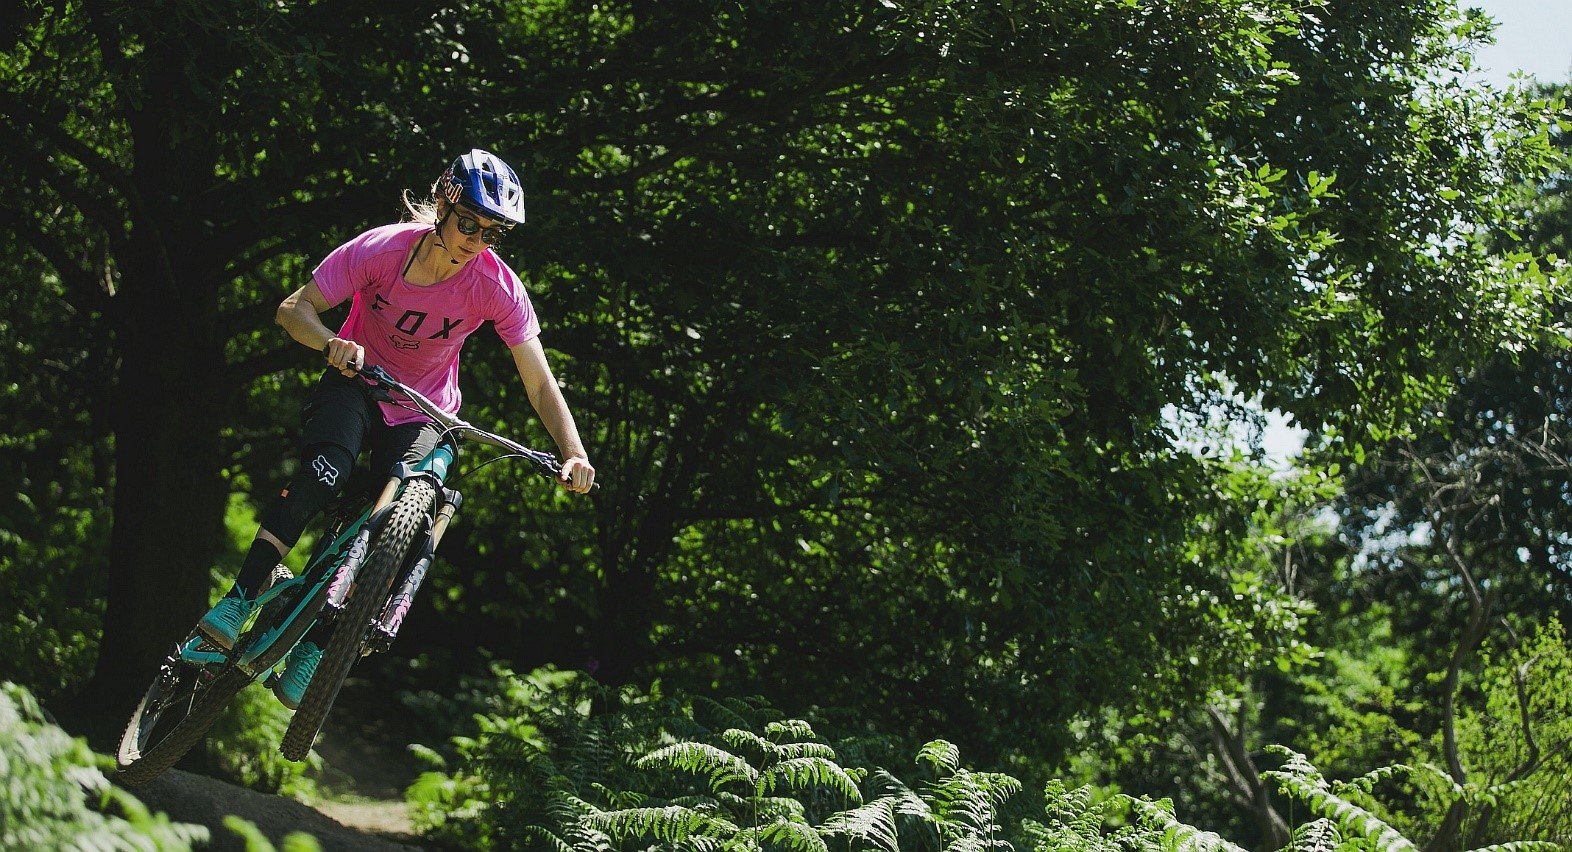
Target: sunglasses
x,y
490,236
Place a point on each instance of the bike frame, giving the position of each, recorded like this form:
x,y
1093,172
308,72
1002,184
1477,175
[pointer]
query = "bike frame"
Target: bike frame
x,y
324,584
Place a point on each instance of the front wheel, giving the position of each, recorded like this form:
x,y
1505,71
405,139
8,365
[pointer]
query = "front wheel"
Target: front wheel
x,y
405,521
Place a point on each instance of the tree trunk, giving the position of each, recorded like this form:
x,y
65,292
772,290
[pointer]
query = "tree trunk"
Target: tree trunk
x,y
169,501
1244,779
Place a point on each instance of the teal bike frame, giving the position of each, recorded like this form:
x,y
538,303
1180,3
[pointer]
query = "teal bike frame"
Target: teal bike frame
x,y
338,556
289,606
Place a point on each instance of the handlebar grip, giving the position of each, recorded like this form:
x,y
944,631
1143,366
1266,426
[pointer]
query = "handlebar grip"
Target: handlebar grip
x,y
352,366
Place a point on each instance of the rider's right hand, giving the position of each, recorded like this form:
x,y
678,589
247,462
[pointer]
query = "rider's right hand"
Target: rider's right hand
x,y
347,355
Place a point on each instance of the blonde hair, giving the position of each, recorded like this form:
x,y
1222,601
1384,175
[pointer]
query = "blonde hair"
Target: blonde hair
x,y
425,212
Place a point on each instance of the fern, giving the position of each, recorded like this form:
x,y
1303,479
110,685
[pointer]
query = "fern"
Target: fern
x,y
671,823
804,772
1301,780
719,766
896,811
1523,846
1319,836
794,728
718,715
971,798
794,836
943,756
741,739
873,822
1177,836
1074,823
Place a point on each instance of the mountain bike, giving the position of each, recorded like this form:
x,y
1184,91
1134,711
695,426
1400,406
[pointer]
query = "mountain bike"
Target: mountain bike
x,y
361,578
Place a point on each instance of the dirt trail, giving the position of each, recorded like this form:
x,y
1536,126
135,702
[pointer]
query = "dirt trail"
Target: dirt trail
x,y
363,808
187,797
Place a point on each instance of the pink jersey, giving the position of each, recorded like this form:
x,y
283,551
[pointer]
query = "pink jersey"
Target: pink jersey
x,y
416,332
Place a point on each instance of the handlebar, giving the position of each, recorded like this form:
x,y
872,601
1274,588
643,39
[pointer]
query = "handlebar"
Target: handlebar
x,y
545,464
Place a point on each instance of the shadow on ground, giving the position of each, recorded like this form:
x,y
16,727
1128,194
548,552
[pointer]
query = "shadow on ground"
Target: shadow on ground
x,y
187,797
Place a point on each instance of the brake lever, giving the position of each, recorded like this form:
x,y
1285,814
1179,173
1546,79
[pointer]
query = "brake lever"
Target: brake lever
x,y
550,467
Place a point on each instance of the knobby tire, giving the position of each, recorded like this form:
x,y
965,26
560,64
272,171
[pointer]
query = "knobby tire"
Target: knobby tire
x,y
405,521
134,771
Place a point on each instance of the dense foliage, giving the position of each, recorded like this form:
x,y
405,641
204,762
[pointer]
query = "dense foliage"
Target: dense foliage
x,y
913,343
547,772
54,794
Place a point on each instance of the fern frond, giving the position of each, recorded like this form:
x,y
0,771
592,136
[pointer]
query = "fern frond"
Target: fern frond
x,y
1071,815
671,823
1297,764
971,797
796,729
795,836
1522,846
708,804
566,808
1178,837
779,807
804,772
618,799
542,838
1445,778
976,843
787,751
1366,782
741,738
718,765
1350,818
873,822
942,755
1319,836
702,844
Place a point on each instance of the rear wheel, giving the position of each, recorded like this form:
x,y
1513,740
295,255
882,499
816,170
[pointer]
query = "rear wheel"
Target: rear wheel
x,y
405,521
175,712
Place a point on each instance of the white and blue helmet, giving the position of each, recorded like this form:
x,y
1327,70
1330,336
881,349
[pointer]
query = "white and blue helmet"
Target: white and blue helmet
x,y
480,180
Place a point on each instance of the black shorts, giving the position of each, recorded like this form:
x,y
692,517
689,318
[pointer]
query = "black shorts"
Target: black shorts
x,y
341,411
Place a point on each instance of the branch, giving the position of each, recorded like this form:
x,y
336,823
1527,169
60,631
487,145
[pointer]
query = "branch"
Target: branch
x,y
316,212
249,262
271,361
1478,618
84,288
1242,772
1530,760
92,205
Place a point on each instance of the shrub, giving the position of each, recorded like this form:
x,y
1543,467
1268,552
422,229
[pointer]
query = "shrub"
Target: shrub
x,y
53,794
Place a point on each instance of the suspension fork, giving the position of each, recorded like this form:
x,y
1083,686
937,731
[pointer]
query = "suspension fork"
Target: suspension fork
x,y
417,564
344,576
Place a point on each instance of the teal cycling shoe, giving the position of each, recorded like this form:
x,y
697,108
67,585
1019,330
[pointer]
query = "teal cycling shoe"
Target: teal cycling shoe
x,y
298,670
222,624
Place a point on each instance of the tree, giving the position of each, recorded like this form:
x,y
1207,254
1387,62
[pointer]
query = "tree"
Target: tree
x,y
905,289
888,304
188,146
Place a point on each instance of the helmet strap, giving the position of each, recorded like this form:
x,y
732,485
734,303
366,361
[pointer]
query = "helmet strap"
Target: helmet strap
x,y
440,222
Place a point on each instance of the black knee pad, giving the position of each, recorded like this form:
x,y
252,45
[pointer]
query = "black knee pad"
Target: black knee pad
x,y
324,470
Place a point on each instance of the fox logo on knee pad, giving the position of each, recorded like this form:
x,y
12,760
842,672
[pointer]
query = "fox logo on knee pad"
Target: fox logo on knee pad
x,y
325,472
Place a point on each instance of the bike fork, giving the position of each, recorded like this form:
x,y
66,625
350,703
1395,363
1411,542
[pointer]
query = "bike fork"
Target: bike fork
x,y
344,576
392,617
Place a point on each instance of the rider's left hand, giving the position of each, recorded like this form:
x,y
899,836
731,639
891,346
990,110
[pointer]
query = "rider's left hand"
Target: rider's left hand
x,y
577,474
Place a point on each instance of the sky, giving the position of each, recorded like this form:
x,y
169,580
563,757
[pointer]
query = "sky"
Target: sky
x,y
1534,36
1531,35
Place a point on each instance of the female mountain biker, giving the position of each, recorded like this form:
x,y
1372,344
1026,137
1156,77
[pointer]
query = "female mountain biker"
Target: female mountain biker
x,y
418,289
